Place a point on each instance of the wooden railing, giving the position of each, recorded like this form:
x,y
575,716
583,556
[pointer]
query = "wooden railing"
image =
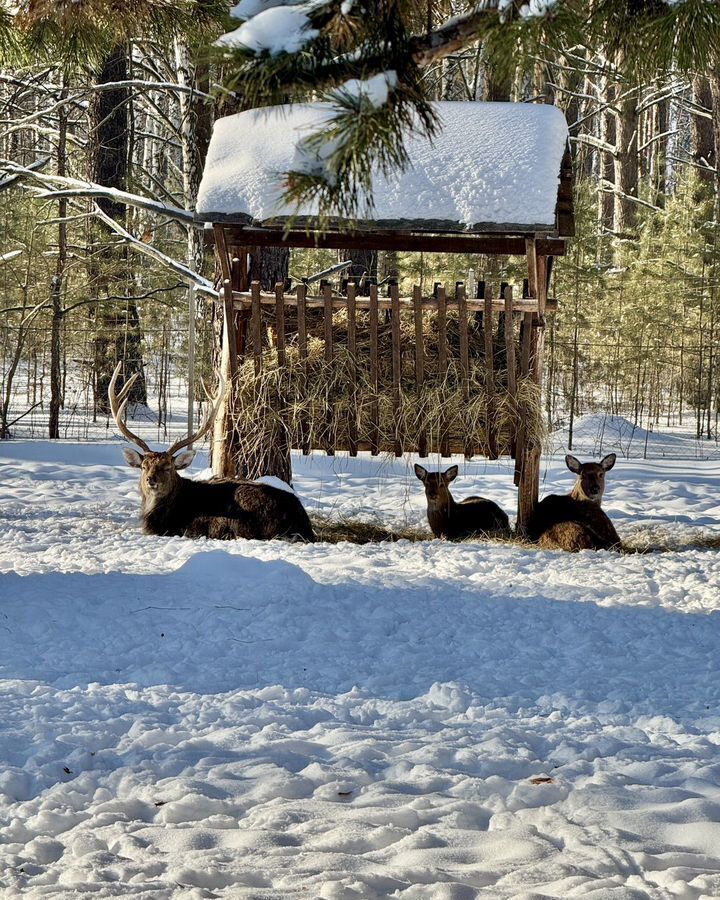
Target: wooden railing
x,y
500,329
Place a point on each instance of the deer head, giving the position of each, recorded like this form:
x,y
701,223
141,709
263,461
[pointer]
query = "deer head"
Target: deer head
x,y
436,484
590,483
158,478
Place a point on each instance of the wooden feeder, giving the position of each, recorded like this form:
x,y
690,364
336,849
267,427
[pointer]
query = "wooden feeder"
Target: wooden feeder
x,y
496,181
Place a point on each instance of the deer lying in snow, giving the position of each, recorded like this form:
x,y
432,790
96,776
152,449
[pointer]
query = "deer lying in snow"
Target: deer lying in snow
x,y
575,521
455,521
223,508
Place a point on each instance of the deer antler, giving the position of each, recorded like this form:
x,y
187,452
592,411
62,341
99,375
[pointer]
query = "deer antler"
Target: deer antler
x,y
118,405
209,418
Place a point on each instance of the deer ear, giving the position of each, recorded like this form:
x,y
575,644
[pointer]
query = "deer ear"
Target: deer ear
x,y
183,460
132,457
450,474
607,462
420,472
572,463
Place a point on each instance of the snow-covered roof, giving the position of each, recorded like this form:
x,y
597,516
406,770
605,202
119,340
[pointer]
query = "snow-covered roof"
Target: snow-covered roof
x,y
492,167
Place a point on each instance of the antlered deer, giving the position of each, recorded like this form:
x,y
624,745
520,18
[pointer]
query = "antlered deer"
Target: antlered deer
x,y
455,521
223,508
575,521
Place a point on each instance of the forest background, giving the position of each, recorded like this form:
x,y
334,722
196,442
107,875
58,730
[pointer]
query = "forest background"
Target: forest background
x,y
106,110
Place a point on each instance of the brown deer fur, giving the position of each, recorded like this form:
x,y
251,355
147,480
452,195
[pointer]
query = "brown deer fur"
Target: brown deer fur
x,y
455,521
575,521
222,508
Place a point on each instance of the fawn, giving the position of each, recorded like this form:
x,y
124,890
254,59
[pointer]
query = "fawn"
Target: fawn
x,y
455,521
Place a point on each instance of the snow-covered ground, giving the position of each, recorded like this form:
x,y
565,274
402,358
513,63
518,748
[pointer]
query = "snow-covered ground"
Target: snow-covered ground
x,y
415,720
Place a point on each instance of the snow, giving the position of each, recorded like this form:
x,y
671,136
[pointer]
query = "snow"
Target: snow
x,y
246,9
373,90
191,719
279,29
492,163
597,433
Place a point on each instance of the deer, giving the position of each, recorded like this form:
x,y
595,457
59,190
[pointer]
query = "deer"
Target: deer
x,y
223,508
575,521
474,516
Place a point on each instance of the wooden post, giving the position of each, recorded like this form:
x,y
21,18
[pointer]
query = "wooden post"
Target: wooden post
x,y
419,363
490,433
527,329
528,474
223,455
302,350
353,372
374,376
510,357
239,282
280,322
464,354
396,359
256,326
442,363
330,438
510,342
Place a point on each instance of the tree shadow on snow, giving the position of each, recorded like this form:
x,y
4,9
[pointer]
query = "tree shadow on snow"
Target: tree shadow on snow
x,y
228,623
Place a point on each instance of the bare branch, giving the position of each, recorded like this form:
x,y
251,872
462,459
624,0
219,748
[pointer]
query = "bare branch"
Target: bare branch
x,y
183,271
74,187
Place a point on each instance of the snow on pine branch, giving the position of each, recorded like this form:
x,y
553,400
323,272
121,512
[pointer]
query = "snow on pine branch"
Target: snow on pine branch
x,y
374,91
318,154
271,27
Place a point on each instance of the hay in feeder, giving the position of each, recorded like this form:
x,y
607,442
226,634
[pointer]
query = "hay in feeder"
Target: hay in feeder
x,y
315,403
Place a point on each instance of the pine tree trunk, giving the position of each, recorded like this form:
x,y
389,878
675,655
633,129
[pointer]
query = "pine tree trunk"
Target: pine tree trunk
x,y
626,164
118,326
56,289
703,138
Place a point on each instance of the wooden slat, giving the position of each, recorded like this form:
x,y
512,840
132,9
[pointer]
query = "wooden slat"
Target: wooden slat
x,y
243,299
510,357
396,358
327,296
328,310
525,346
500,245
240,283
237,274
223,252
229,320
280,322
419,364
353,373
510,341
492,447
256,326
303,353
374,372
464,352
442,364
